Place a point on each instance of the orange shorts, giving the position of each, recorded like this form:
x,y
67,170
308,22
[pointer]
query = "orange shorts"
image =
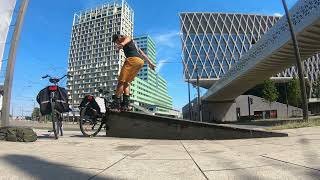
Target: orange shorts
x,y
130,69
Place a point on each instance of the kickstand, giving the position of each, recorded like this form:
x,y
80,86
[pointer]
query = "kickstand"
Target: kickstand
x,y
106,127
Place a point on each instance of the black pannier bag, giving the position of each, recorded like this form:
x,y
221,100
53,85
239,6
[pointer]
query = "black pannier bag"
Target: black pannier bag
x,y
92,107
61,103
43,98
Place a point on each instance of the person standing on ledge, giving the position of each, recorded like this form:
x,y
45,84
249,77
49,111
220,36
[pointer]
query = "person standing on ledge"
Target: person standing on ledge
x,y
134,61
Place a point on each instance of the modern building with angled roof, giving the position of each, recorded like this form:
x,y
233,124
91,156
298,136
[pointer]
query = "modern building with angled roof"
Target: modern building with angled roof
x,y
213,42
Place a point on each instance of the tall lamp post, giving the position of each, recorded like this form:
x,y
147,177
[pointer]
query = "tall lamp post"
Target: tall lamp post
x,y
199,100
190,114
188,80
299,64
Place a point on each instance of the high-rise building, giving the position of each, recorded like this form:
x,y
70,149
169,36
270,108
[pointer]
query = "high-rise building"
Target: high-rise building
x,y
149,89
147,45
94,62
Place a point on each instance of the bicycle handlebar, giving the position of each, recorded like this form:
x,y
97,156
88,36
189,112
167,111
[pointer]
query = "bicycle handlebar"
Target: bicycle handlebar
x,y
48,76
55,80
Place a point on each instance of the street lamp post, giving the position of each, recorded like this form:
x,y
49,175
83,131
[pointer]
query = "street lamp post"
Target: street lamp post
x,y
189,105
299,64
190,114
199,100
285,88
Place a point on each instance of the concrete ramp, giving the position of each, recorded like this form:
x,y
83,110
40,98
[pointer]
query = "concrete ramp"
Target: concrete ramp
x,y
138,125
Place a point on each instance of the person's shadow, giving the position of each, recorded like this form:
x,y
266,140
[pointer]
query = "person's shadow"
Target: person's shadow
x,y
36,168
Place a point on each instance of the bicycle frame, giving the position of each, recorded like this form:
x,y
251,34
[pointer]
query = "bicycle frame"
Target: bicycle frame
x,y
56,116
96,119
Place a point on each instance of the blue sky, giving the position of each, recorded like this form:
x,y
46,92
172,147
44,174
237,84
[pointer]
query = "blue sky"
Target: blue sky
x,y
45,39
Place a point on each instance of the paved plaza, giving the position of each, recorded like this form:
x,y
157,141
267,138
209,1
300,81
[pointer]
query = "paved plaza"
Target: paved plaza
x,y
76,157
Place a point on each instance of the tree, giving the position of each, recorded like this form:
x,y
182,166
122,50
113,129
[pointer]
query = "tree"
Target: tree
x,y
294,97
270,92
36,113
316,89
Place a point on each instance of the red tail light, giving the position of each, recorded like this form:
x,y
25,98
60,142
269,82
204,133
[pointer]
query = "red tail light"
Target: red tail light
x,y
53,88
90,98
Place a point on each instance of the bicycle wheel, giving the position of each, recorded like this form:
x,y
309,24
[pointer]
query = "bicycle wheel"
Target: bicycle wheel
x,y
55,120
90,125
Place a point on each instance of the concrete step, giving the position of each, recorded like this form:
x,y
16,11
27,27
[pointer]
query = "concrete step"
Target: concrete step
x,y
139,125
140,108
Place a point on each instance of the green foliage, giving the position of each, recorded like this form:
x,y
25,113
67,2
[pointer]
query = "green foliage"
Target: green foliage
x,y
316,89
294,97
36,113
270,92
296,124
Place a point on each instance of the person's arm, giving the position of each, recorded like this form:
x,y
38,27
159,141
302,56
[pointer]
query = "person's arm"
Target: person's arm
x,y
146,58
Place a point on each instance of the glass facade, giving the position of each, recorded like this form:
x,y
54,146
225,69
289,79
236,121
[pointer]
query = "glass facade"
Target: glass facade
x,y
149,89
213,42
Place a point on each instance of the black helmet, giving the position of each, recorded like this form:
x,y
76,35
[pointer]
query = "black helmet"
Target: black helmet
x,y
115,37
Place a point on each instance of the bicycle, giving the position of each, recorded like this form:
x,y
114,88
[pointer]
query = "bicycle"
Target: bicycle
x,y
92,119
56,116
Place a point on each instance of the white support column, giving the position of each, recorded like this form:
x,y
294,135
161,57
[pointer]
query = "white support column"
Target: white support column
x,y
10,65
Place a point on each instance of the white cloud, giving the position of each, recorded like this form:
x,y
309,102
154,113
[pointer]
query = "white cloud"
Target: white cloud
x,y
90,3
160,64
277,14
167,39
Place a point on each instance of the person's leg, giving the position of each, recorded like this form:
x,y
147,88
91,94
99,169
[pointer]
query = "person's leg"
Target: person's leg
x,y
120,88
123,78
126,97
116,103
126,88
132,70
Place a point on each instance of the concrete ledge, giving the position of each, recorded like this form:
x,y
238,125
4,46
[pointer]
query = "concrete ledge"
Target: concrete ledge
x,y
138,125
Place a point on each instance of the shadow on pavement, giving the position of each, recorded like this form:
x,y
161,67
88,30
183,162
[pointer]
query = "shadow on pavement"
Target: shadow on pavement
x,y
82,136
37,168
45,136
311,157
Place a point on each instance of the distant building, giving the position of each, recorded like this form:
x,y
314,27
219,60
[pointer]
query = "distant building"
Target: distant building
x,y
244,107
94,62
